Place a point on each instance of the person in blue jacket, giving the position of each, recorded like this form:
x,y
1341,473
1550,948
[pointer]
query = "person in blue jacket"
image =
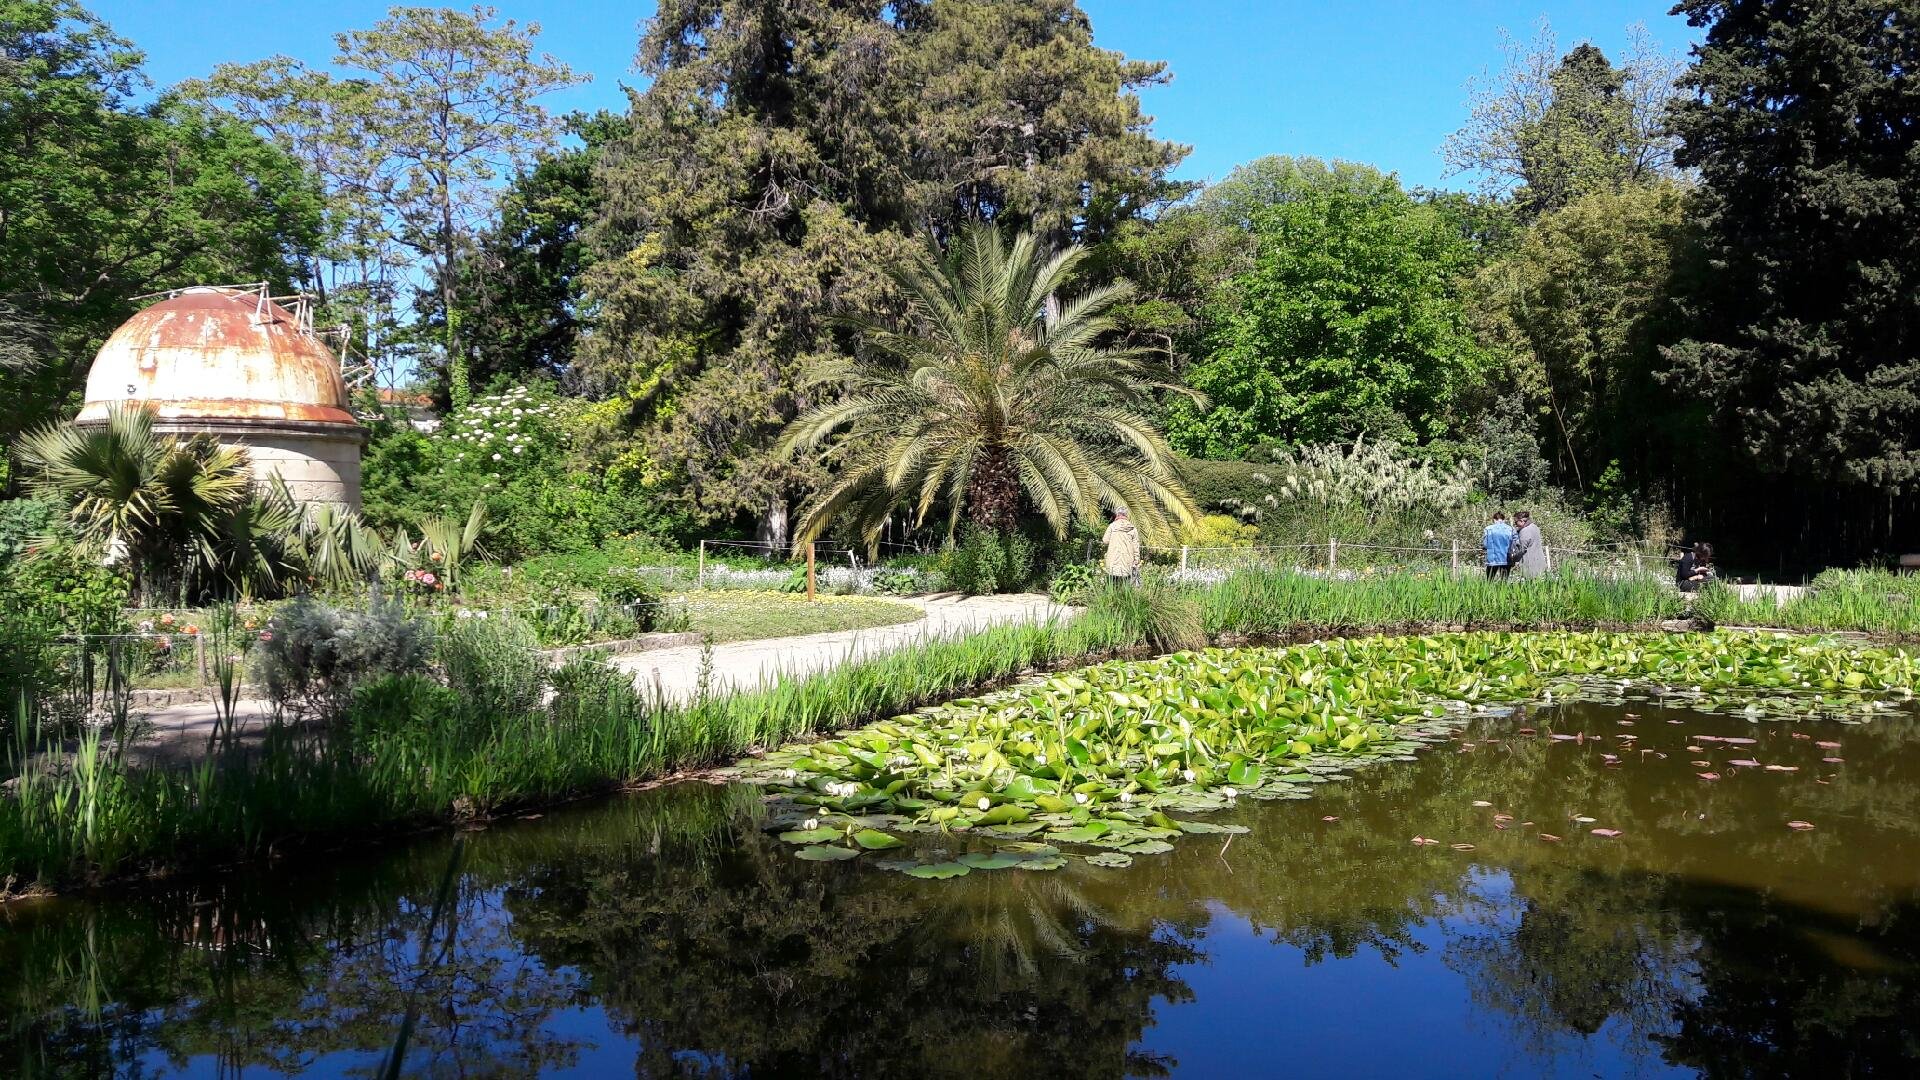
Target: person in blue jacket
x,y
1497,540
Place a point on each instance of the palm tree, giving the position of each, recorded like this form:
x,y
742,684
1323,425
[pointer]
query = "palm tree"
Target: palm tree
x,y
134,495
993,392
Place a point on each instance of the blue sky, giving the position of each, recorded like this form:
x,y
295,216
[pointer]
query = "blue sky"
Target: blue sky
x,y
1380,82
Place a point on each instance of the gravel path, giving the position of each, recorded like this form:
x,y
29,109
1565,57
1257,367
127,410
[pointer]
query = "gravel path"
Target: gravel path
x,y
744,665
180,732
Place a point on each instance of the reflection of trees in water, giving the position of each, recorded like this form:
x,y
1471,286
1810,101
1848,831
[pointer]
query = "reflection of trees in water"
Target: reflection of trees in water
x,y
1567,953
232,975
754,963
1774,1002
713,948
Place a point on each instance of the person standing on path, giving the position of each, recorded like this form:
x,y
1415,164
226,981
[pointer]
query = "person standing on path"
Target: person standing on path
x,y
1497,541
1123,550
1529,552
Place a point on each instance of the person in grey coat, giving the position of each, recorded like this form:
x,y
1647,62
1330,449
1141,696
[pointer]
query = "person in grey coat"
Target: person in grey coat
x,y
1529,554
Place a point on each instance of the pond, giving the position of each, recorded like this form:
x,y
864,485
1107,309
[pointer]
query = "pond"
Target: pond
x,y
669,934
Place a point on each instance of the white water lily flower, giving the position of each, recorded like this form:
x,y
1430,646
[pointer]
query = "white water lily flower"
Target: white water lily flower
x,y
984,803
1126,796
1080,797
1188,774
1039,759
810,824
1229,793
790,774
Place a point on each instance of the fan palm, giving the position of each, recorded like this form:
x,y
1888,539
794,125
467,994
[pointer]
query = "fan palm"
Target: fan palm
x,y
134,494
991,393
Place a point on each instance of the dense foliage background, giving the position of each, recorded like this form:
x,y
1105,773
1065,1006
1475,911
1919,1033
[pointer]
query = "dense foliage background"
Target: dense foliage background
x,y
1680,303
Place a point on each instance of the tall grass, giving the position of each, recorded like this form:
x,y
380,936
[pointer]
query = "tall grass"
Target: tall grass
x,y
1264,603
1869,601
415,751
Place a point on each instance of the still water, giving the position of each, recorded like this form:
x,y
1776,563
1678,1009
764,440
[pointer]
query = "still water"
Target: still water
x,y
666,935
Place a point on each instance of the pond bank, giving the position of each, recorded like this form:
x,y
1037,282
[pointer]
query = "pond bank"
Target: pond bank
x,y
638,934
439,767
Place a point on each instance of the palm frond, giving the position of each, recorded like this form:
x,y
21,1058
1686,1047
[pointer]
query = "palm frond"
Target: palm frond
x,y
993,363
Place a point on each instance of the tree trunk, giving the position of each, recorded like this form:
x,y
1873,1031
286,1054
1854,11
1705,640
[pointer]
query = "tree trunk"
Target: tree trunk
x,y
993,493
773,532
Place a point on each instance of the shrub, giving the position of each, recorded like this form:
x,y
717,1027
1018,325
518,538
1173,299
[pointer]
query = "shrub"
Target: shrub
x,y
906,581
388,705
985,561
494,665
23,521
312,656
1220,531
1163,617
587,692
1073,584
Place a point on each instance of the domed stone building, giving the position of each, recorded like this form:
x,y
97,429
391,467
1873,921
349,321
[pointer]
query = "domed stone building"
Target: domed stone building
x,y
232,363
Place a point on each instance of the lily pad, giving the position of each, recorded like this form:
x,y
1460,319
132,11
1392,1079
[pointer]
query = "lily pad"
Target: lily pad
x,y
1112,859
811,836
824,853
937,871
875,840
1209,827
991,860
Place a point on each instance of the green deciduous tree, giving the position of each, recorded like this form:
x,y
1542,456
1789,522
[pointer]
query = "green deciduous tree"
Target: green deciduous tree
x,y
519,284
782,156
1551,127
1348,322
1581,305
101,201
1804,340
428,108
994,396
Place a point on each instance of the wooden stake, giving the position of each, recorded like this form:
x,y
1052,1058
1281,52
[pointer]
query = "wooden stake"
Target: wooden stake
x,y
809,569
702,579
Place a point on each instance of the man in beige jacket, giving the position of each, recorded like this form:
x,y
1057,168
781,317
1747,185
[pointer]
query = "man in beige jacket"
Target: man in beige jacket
x,y
1123,549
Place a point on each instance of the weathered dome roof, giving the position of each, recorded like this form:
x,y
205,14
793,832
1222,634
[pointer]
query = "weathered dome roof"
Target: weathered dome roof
x,y
218,354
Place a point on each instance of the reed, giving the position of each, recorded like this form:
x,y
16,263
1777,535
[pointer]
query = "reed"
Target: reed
x,y
1867,601
415,751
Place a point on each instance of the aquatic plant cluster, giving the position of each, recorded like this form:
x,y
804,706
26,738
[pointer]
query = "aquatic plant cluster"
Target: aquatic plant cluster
x,y
1103,757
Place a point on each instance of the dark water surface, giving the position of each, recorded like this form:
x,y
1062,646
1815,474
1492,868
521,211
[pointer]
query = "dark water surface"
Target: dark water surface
x,y
666,935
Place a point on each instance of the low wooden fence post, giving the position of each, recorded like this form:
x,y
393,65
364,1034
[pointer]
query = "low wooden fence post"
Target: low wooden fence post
x,y
1456,558
809,569
700,579
1333,554
1183,558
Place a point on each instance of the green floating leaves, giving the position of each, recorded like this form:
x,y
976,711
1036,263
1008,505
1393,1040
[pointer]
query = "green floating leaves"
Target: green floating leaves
x,y
811,836
1205,827
990,860
1103,756
823,853
937,871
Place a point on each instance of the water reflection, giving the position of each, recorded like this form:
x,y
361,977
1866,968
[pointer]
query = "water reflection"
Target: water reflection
x,y
667,935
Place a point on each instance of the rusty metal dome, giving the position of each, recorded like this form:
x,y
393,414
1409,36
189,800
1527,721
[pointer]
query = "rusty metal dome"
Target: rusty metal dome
x,y
219,355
